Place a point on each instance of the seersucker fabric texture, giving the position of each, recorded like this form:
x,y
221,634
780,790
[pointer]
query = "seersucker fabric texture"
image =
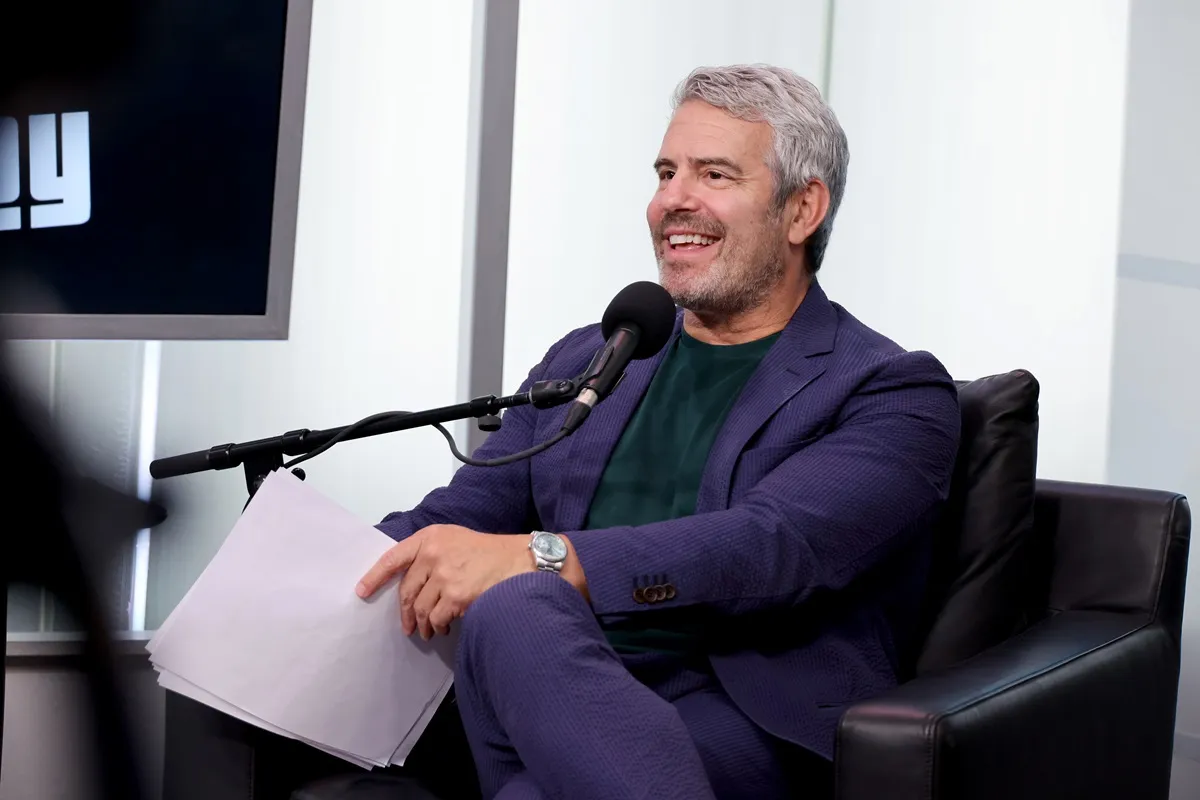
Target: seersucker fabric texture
x,y
648,725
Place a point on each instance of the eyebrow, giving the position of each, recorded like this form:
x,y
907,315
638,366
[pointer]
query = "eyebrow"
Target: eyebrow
x,y
700,163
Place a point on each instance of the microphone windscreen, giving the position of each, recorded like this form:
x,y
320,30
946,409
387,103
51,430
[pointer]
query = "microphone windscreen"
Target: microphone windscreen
x,y
647,305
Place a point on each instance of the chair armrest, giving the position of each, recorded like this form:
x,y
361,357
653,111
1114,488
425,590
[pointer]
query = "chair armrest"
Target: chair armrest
x,y
1080,705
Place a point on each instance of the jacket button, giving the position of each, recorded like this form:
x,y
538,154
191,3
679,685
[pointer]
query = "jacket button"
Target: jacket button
x,y
639,595
670,587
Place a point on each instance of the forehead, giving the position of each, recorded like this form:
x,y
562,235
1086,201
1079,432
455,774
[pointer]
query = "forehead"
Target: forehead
x,y
698,130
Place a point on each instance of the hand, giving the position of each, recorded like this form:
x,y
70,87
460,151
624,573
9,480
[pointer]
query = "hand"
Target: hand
x,y
446,567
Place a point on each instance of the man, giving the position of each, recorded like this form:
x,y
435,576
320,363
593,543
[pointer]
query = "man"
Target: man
x,y
738,535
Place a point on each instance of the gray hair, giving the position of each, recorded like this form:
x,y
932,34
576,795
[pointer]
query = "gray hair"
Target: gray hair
x,y
809,142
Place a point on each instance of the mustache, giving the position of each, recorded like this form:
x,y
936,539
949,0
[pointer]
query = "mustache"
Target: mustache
x,y
693,222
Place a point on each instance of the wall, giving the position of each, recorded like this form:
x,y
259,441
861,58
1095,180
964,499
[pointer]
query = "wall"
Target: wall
x,y
981,215
1155,440
49,745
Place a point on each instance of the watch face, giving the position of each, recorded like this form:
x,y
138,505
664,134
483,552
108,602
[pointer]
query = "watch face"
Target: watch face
x,y
549,547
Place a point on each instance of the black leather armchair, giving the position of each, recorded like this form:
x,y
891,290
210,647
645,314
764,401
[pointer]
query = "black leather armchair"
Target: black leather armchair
x,y
1079,705
1048,664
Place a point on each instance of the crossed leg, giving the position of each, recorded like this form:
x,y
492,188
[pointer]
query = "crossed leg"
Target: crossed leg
x,y
551,711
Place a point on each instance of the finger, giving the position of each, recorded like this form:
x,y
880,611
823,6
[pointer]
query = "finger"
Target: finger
x,y
444,613
425,603
411,585
397,559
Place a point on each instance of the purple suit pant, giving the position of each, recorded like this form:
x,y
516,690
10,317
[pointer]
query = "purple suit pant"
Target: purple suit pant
x,y
552,711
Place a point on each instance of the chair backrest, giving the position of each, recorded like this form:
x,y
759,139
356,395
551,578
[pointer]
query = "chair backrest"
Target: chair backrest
x,y
983,581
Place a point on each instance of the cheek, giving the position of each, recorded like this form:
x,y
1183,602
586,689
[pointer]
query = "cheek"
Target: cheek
x,y
743,227
727,215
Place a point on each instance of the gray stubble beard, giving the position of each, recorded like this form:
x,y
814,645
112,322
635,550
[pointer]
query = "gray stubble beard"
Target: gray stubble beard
x,y
735,290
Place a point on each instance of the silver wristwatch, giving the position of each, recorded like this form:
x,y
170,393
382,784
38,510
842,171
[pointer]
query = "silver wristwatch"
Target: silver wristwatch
x,y
549,551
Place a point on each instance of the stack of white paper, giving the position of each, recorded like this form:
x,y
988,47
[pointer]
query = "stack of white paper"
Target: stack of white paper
x,y
273,633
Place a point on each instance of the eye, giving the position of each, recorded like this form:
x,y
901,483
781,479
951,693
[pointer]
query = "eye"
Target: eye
x,y
666,174
712,174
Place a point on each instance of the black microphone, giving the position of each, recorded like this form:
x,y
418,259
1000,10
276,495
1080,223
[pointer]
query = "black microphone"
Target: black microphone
x,y
636,325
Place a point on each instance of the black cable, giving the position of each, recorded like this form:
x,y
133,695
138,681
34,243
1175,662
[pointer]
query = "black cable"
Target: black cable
x,y
343,433
502,460
474,462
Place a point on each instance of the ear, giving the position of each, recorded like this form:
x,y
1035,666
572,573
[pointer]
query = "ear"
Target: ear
x,y
806,211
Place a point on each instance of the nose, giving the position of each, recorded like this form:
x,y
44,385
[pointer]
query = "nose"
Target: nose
x,y
678,194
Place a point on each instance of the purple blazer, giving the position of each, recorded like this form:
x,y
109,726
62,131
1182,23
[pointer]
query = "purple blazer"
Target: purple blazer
x,y
807,555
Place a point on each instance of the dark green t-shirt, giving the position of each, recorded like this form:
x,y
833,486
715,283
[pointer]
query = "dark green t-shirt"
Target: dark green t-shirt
x,y
654,472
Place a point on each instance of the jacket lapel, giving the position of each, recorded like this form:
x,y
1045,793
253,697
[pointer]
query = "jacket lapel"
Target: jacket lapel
x,y
593,444
792,363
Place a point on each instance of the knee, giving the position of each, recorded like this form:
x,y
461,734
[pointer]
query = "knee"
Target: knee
x,y
514,607
515,615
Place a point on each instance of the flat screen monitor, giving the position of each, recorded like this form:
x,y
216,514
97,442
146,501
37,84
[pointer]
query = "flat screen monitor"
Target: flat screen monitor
x,y
157,199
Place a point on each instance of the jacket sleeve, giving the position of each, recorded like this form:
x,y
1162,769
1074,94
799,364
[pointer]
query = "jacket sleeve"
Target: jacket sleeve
x,y
487,499
828,512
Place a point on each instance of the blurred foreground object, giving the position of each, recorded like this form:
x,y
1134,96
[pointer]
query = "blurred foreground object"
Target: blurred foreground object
x,y
68,528
52,45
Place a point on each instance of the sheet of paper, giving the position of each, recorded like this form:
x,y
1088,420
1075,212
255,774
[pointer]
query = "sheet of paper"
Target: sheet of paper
x,y
274,629
410,741
174,683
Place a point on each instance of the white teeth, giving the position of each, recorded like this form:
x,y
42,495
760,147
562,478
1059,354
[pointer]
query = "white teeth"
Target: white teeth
x,y
689,238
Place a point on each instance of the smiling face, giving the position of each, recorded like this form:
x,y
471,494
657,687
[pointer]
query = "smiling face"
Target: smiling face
x,y
721,246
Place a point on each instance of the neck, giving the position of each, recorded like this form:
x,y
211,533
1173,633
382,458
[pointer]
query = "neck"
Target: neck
x,y
764,319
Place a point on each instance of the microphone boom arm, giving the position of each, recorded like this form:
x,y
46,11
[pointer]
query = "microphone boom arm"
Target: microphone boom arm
x,y
260,457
